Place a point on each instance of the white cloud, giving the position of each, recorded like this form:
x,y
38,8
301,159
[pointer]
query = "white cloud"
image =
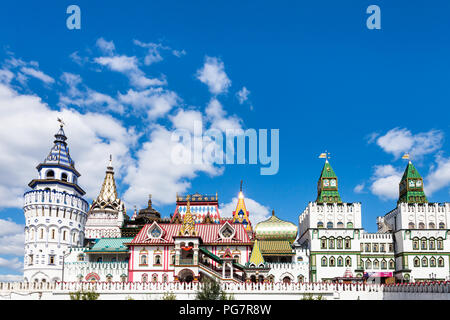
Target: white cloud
x,y
242,95
156,102
359,188
37,74
129,67
185,119
8,227
439,176
218,117
155,173
398,141
26,136
106,47
257,211
83,97
385,182
11,277
154,51
213,75
13,264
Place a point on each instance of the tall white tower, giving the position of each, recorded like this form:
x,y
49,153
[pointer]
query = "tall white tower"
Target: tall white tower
x,y
55,214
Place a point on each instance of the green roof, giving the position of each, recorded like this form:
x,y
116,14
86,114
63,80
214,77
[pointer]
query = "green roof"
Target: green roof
x,y
327,186
327,171
411,186
111,245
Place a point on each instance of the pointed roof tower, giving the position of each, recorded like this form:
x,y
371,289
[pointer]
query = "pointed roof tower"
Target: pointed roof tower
x,y
108,198
241,215
59,153
256,257
58,158
188,225
411,186
327,186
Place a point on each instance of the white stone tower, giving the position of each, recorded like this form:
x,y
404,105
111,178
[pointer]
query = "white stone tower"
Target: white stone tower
x,y
55,214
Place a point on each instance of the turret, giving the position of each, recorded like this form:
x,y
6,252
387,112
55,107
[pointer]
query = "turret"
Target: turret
x,y
55,213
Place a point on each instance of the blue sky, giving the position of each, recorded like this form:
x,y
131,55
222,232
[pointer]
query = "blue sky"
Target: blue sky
x,y
313,70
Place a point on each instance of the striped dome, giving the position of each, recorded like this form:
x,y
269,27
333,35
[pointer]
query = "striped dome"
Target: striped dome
x,y
275,228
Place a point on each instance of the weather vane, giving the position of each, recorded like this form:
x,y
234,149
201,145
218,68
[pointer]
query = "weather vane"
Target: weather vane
x,y
325,155
61,122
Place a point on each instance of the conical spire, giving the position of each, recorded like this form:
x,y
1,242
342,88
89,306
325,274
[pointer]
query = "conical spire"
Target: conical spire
x,y
188,225
241,215
256,257
59,154
411,186
108,193
327,186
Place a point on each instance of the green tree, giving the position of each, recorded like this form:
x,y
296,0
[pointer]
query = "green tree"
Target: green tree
x,y
211,290
169,296
84,295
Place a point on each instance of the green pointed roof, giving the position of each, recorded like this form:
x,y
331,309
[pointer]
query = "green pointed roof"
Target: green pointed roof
x,y
411,186
327,186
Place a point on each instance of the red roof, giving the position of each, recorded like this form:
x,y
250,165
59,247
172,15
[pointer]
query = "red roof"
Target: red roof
x,y
209,233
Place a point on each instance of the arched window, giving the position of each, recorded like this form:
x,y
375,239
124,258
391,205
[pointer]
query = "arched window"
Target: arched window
x,y
424,262
391,264
440,262
432,244
440,244
383,264
123,278
324,262
339,243
432,262
348,262
423,244
368,264
300,279
348,243
376,264
323,243
144,278
143,258
109,278
165,278
154,278
157,260
332,262
331,243
340,224
411,225
441,225
64,176
329,225
320,224
80,257
340,262
431,225
416,262
286,280
349,225
415,243
50,174
421,225
271,278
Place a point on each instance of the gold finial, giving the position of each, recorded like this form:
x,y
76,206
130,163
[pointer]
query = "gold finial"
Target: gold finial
x,y
325,155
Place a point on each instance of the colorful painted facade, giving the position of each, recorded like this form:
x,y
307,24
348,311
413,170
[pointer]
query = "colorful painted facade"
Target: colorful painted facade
x,y
67,240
